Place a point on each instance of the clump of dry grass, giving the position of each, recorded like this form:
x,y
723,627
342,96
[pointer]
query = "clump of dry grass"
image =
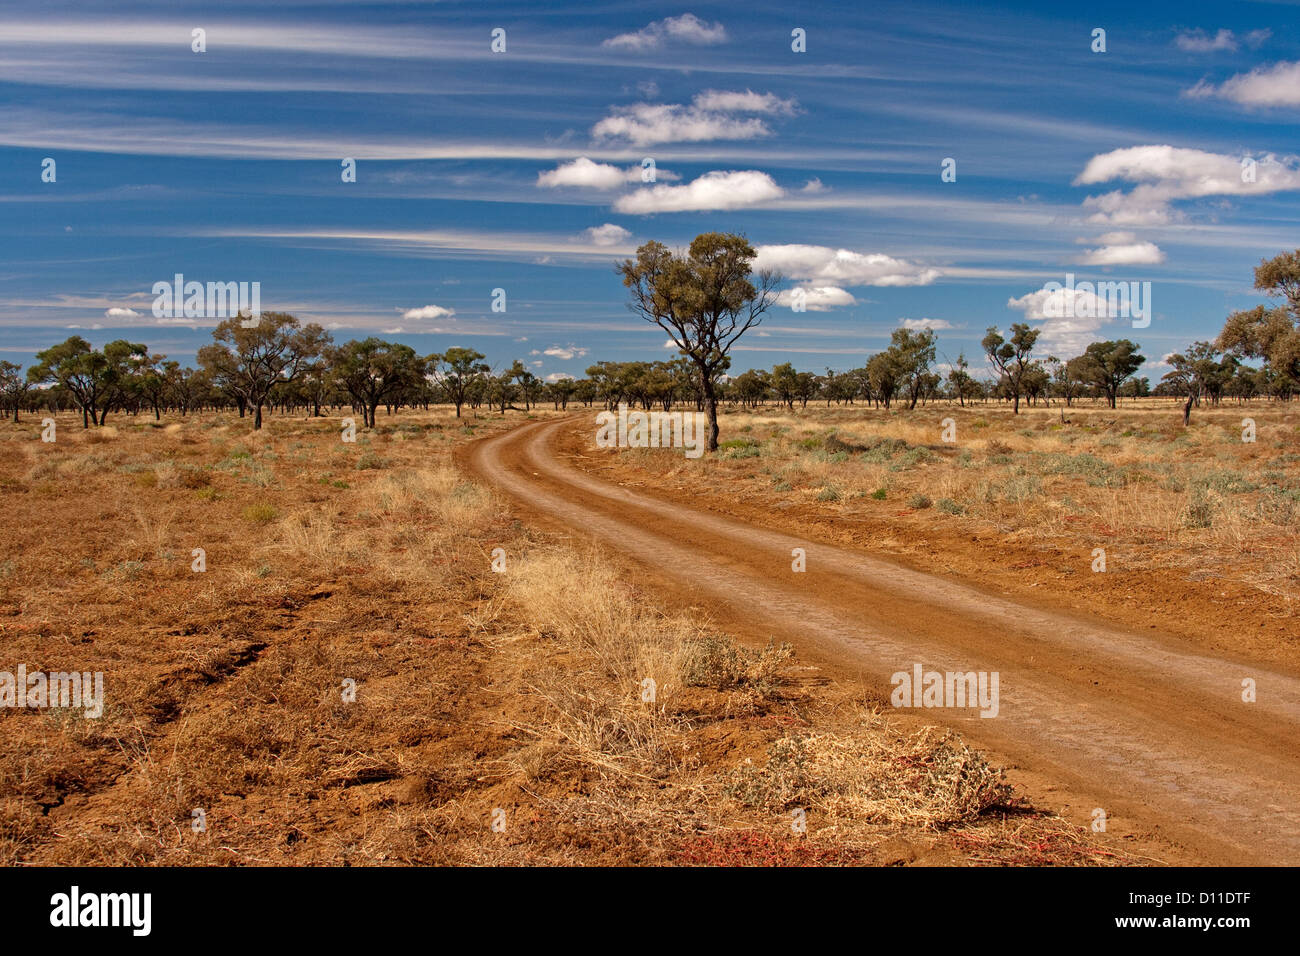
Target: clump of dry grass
x,y
875,774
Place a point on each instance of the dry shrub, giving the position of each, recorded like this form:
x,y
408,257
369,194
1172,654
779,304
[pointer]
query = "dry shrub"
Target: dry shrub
x,y
99,436
875,774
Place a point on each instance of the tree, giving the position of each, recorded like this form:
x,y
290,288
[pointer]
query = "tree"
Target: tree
x,y
960,381
1194,373
375,372
250,361
97,380
13,387
456,371
883,376
152,382
1011,358
703,299
912,353
1107,364
785,382
1271,333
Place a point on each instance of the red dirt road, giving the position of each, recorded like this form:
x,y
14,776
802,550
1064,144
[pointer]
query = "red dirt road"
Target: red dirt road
x,y
1140,725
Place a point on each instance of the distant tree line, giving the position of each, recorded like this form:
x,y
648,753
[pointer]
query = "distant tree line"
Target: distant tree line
x,y
278,364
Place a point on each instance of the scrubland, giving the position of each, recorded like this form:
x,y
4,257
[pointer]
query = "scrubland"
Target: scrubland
x,y
555,712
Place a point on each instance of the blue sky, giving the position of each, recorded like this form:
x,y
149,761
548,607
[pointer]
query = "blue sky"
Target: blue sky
x,y
521,170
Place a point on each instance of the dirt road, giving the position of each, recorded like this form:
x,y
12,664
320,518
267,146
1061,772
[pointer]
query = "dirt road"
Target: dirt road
x,y
1090,715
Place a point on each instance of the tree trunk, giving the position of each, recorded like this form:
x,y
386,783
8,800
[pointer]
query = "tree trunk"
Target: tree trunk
x,y
710,408
257,416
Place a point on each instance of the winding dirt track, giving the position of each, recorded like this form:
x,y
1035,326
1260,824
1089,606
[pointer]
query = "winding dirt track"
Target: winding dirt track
x,y
1153,732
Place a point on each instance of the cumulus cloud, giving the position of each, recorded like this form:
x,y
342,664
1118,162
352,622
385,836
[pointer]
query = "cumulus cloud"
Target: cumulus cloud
x,y
116,313
713,114
1274,85
842,266
1071,316
1167,173
565,353
607,235
1122,249
820,298
583,172
1198,41
427,312
714,190
559,377
688,28
918,324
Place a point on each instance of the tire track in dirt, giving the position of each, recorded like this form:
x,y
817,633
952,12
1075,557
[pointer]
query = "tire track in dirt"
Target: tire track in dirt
x,y
1151,730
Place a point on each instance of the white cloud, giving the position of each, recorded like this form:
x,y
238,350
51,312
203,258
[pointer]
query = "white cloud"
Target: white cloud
x,y
607,235
713,114
1122,249
1275,85
713,190
814,185
817,298
559,377
116,313
1071,317
1198,41
583,172
395,330
822,263
733,101
687,28
560,352
916,324
1166,173
428,312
